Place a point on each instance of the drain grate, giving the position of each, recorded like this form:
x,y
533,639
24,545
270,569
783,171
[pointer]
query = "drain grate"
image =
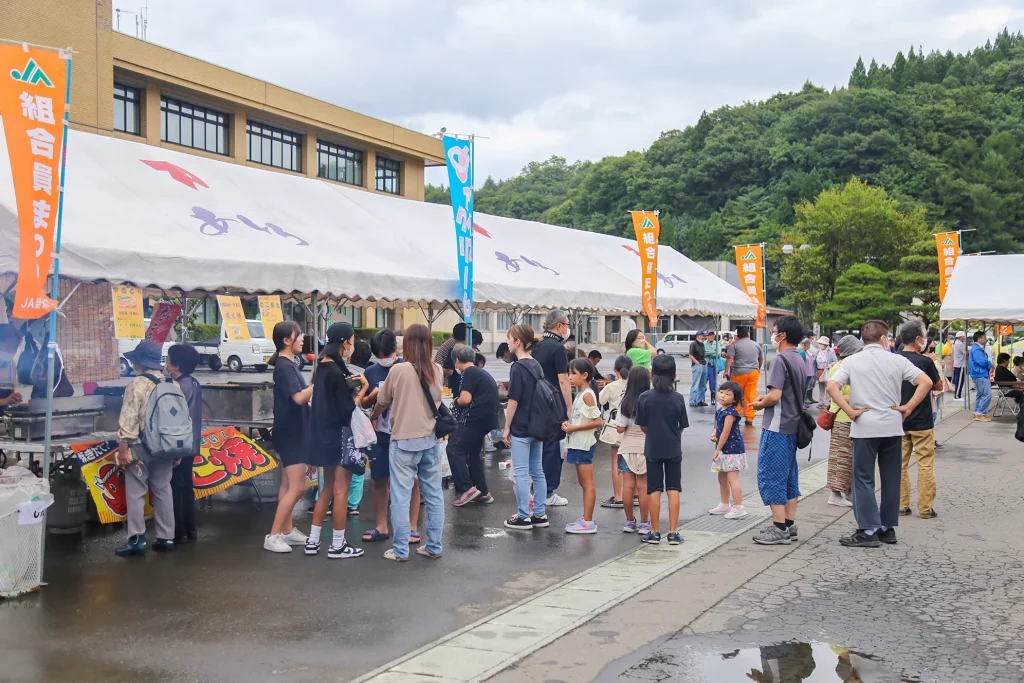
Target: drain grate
x,y
720,524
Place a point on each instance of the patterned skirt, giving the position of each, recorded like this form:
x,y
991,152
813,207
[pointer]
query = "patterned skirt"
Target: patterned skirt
x,y
840,459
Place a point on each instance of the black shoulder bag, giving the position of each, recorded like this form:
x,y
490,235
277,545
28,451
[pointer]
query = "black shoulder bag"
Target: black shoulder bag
x,y
444,421
805,423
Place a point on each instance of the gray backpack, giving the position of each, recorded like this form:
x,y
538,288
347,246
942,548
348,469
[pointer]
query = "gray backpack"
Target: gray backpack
x,y
167,431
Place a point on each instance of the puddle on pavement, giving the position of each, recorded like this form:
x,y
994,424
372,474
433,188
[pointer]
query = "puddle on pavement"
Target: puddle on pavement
x,y
793,663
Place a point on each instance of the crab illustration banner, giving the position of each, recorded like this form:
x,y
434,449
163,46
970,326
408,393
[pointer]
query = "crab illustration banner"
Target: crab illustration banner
x,y
225,458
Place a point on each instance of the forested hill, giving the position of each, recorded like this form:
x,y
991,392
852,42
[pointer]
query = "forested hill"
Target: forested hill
x,y
938,132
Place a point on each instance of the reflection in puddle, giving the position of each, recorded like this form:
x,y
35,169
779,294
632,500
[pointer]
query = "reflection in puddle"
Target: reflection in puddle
x,y
797,663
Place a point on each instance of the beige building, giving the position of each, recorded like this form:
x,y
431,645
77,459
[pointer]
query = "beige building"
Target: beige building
x,y
133,89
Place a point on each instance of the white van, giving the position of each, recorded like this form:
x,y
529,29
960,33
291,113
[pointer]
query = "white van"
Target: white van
x,y
676,343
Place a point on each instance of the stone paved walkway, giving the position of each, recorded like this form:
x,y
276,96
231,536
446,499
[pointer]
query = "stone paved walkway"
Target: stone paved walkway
x,y
944,604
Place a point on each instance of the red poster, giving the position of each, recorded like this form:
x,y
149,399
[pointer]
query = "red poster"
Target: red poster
x,y
162,322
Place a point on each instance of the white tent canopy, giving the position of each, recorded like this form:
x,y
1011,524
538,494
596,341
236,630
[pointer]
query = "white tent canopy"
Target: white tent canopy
x,y
156,217
981,288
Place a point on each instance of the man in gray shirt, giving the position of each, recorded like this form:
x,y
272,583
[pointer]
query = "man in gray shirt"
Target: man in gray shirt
x,y
743,360
959,361
876,378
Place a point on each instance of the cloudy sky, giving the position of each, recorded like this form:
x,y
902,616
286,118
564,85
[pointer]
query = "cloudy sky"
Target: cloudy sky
x,y
580,79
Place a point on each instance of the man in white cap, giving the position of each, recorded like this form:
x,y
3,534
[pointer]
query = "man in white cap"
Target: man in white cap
x,y
959,360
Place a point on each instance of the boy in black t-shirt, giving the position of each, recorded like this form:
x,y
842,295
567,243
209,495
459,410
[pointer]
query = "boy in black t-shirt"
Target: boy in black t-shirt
x,y
661,414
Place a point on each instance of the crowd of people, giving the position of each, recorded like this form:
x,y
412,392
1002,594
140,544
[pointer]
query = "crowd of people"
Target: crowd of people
x,y
878,394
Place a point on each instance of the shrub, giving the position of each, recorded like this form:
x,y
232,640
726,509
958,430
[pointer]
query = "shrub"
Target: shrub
x,y
203,332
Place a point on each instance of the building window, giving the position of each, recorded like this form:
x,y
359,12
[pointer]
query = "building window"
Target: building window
x,y
126,109
387,175
385,318
339,163
482,321
534,320
191,125
273,146
505,322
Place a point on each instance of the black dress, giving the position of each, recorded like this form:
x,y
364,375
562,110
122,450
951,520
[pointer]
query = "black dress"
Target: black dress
x,y
290,418
330,416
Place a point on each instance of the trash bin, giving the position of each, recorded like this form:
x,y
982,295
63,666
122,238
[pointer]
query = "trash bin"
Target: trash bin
x,y
23,498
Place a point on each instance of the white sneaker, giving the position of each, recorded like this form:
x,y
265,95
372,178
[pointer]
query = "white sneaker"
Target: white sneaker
x,y
737,512
556,501
294,537
276,544
721,509
840,500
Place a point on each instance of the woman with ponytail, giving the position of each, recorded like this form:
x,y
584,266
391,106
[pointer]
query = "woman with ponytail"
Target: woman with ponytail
x,y
291,412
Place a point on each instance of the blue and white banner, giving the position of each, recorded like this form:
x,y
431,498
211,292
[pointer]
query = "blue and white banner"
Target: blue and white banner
x,y
459,154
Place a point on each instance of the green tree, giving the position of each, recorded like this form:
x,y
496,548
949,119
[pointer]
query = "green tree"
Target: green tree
x,y
916,282
859,76
857,224
863,293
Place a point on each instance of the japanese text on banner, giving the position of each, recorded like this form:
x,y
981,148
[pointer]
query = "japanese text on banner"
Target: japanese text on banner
x,y
129,322
459,154
648,232
33,86
948,246
231,312
270,314
162,321
750,264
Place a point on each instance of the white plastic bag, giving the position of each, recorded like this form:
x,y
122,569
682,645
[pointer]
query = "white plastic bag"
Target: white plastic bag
x,y
362,430
446,468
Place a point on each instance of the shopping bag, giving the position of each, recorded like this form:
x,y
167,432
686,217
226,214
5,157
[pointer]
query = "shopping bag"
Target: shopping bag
x,y
362,430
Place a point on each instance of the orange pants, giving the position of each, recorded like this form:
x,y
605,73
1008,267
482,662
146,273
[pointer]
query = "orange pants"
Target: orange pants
x,y
749,384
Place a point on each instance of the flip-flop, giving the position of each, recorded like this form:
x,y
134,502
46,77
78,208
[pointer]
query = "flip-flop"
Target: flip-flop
x,y
390,555
426,553
414,537
373,535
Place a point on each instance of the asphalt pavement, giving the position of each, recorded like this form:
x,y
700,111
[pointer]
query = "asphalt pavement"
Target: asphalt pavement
x,y
224,609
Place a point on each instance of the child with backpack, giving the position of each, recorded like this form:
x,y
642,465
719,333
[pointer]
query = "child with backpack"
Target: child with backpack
x,y
580,428
154,430
632,463
523,418
730,453
661,413
182,360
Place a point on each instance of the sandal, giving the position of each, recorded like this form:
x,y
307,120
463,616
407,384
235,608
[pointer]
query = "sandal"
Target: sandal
x,y
414,537
422,550
373,535
390,555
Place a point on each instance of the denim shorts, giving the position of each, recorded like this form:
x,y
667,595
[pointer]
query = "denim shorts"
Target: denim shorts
x,y
580,457
623,467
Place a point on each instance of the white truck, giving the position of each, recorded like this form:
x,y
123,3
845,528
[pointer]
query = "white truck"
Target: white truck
x,y
217,353
236,355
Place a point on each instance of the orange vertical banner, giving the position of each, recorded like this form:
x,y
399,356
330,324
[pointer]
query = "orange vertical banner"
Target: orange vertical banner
x,y
948,246
648,232
33,84
750,264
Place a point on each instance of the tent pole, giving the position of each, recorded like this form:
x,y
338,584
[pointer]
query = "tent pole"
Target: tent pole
x,y
316,330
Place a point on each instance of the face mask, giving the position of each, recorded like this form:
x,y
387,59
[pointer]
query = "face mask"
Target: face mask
x,y
566,335
775,342
386,362
346,352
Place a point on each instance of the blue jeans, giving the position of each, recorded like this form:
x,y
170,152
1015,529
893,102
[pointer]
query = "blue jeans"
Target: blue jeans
x,y
984,398
527,463
405,467
697,383
712,375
